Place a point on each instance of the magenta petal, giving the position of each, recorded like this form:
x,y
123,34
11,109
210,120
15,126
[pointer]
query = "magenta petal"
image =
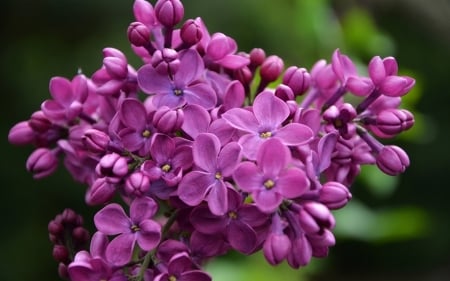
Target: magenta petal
x,y
205,150
149,235
390,65
377,71
142,208
133,114
217,198
234,95
247,177
151,82
241,119
359,86
292,183
273,156
270,110
167,98
131,139
295,134
250,145
267,200
396,86
120,249
191,67
53,110
162,148
234,61
229,158
112,220
196,120
61,90
194,186
241,237
194,275
201,94
204,221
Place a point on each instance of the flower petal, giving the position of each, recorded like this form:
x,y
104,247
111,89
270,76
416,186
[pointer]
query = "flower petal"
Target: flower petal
x,y
205,151
162,148
120,249
248,177
294,134
273,156
142,208
217,198
229,157
133,114
191,67
201,94
194,186
241,119
151,82
241,236
292,183
267,200
270,110
206,222
61,90
149,235
112,220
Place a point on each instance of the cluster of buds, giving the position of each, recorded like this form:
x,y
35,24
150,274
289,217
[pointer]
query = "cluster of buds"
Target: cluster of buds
x,y
206,154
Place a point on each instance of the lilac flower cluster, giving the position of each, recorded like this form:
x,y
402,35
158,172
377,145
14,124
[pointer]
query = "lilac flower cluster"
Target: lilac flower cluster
x,y
207,153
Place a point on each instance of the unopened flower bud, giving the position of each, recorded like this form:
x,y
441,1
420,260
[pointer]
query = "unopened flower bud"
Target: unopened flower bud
x,y
243,75
55,227
70,217
191,32
276,247
80,235
116,67
21,134
298,79
392,160
257,57
166,61
60,253
284,92
300,253
334,195
168,120
271,68
393,121
100,192
42,162
315,216
112,165
39,122
169,12
62,271
137,184
95,140
138,34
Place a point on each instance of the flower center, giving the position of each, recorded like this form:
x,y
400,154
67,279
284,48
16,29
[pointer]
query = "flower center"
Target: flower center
x,y
269,184
172,278
166,168
232,215
177,92
146,133
135,228
218,176
265,135
338,123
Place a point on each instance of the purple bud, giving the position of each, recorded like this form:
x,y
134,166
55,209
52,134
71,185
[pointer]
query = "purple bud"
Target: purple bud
x,y
138,34
298,79
95,141
112,165
69,217
55,227
100,192
257,57
392,160
80,235
21,134
39,122
271,68
168,120
315,216
191,32
284,92
396,86
334,195
393,121
60,253
169,12
116,67
243,75
137,184
276,247
62,271
166,61
42,162
113,52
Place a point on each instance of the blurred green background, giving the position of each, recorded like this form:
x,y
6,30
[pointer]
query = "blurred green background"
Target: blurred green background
x,y
395,229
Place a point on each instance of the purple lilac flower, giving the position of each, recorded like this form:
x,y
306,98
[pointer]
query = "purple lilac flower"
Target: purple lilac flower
x,y
181,268
271,179
265,122
184,88
209,181
138,229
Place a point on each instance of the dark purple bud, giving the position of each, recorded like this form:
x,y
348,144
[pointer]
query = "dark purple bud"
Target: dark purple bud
x,y
166,61
42,162
168,120
62,271
392,160
39,122
393,121
334,195
116,67
60,253
70,217
112,165
95,140
271,68
191,32
169,12
137,184
138,34
314,217
298,79
243,75
55,227
21,134
284,92
257,57
80,235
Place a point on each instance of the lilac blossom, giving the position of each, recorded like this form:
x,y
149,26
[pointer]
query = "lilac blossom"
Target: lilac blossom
x,y
183,89
209,181
181,268
138,229
271,180
265,122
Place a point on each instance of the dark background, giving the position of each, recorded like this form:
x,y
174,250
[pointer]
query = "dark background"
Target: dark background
x,y
45,38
